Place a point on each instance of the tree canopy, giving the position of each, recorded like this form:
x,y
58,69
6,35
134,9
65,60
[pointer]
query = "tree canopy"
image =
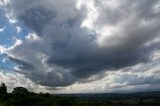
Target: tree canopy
x,y
3,88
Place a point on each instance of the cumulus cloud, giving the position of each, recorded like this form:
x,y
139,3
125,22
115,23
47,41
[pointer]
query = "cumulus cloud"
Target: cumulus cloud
x,y
78,40
14,79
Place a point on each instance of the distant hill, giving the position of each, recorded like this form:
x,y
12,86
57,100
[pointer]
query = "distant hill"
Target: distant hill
x,y
113,96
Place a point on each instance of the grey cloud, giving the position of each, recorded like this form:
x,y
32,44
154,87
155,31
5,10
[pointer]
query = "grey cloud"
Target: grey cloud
x,y
132,80
22,64
67,45
36,18
143,9
56,89
57,79
138,88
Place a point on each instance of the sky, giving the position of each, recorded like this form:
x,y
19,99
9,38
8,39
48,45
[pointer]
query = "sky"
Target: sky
x,y
80,46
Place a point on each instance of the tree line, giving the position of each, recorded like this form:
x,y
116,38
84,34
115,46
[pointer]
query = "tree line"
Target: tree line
x,y
20,96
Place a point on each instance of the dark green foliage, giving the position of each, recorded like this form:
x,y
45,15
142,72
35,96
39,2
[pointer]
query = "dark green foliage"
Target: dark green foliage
x,y
22,97
3,89
20,91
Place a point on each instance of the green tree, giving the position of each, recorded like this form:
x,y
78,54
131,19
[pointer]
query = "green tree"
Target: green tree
x,y
20,90
3,89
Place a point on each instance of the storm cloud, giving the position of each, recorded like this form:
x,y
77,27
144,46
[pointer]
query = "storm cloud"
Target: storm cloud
x,y
75,40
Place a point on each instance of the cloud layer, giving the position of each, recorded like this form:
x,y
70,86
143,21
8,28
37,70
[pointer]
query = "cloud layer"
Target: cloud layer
x,y
73,41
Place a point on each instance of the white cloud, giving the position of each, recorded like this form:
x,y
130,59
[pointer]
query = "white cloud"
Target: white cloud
x,y
4,49
19,29
11,18
92,14
32,36
2,29
4,60
4,2
13,79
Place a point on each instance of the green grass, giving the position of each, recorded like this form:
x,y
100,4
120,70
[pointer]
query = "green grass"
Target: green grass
x,y
1,104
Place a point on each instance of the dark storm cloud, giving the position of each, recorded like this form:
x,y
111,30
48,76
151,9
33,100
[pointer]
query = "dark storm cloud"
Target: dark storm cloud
x,y
84,65
36,18
67,45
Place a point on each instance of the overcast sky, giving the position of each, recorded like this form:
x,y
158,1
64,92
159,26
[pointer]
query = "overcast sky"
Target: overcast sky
x,y
80,46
